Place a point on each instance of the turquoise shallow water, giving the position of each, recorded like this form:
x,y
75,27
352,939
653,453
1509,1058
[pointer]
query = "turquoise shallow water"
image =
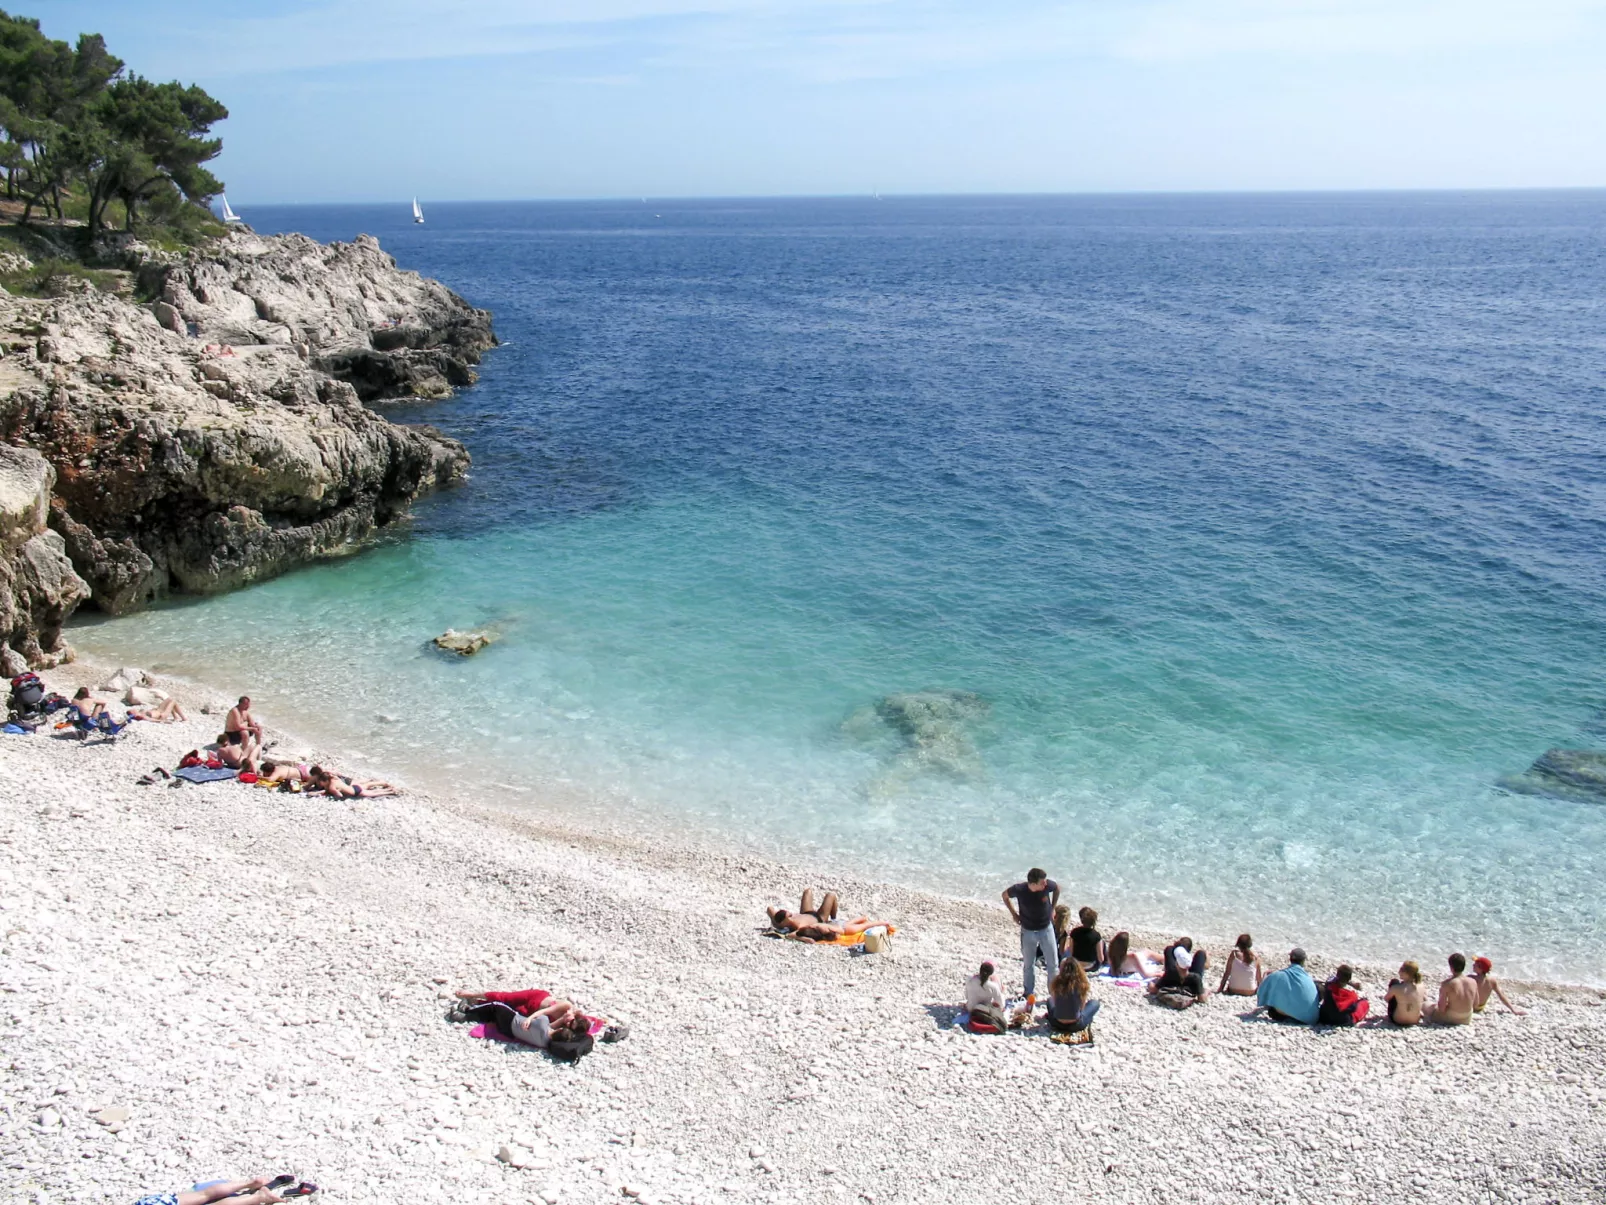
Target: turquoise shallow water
x,y
1267,531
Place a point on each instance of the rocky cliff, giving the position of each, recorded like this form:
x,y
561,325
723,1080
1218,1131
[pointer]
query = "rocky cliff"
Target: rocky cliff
x,y
216,435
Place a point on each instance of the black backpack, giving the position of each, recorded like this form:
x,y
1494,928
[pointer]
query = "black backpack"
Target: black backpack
x,y
27,693
569,1050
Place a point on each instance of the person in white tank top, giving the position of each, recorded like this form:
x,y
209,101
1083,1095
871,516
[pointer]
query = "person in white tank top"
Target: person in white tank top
x,y
1243,971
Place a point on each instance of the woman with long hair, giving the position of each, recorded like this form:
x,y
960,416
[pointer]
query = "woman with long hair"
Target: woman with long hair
x,y
982,990
1124,960
1069,1008
1243,972
1062,929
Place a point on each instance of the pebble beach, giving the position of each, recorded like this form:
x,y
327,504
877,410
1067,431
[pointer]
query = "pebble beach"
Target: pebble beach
x,y
216,980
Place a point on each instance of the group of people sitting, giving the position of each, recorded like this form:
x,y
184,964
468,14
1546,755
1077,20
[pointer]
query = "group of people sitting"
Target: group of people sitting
x,y
1176,975
1292,995
240,745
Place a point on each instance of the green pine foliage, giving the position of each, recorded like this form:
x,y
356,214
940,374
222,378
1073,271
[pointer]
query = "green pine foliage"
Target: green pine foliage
x,y
81,139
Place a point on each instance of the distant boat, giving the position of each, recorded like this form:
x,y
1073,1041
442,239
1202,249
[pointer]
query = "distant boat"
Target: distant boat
x,y
228,214
418,214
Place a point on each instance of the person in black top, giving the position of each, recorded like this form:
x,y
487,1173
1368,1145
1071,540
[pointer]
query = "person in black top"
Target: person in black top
x,y
1032,905
1085,941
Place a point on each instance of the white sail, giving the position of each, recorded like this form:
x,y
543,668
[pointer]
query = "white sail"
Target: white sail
x,y
418,214
228,214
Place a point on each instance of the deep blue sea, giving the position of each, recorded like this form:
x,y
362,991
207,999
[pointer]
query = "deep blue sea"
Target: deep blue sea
x,y
1267,532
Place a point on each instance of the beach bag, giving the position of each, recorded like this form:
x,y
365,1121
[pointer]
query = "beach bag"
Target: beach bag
x,y
569,1050
1175,997
987,1019
878,943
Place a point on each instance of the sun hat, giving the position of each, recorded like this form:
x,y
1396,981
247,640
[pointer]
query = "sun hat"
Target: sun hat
x,y
1482,965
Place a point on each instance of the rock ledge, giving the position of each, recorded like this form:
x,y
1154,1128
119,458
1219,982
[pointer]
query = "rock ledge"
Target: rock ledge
x,y
217,435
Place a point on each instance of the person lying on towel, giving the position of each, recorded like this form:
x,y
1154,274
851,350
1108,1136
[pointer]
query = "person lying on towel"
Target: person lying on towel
x,y
534,1017
818,924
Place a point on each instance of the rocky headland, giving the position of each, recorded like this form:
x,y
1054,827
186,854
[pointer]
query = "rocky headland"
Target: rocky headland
x,y
214,433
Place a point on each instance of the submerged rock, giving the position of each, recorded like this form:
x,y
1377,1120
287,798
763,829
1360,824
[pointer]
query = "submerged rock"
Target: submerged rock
x,y
931,732
464,644
1578,774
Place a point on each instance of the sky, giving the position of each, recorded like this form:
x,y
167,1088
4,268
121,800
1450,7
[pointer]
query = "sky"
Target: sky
x,y
356,100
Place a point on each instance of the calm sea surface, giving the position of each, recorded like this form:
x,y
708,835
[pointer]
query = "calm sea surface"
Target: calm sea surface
x,y
1264,534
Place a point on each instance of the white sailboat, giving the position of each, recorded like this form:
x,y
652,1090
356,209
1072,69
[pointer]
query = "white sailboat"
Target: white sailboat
x,y
228,214
418,214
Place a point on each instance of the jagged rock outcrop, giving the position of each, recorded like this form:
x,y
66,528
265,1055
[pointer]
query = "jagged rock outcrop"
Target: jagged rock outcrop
x,y
216,436
38,588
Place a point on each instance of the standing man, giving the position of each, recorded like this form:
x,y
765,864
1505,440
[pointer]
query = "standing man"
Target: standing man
x,y
1032,905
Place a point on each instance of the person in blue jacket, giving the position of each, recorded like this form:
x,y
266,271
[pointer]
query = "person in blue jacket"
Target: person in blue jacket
x,y
1290,994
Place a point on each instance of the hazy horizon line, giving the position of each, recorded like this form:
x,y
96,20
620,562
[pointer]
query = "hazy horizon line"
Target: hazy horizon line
x,y
627,198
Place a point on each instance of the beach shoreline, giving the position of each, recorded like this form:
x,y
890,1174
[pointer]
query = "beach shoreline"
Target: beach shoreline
x,y
459,892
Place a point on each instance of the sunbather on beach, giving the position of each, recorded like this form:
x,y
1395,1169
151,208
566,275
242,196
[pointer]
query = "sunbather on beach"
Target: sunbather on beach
x,y
1341,1004
1070,1009
166,712
1085,943
340,787
1488,985
234,753
1458,996
1290,994
532,1016
284,771
532,1002
1183,969
982,990
242,721
254,1192
1243,972
818,924
1404,997
1124,960
89,715
85,708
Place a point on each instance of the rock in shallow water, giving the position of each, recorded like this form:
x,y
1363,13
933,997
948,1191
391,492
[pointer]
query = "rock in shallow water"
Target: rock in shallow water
x,y
935,727
1564,773
464,644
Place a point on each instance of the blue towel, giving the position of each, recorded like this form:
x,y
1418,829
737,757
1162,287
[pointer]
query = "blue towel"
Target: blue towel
x,y
202,774
1291,992
16,730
